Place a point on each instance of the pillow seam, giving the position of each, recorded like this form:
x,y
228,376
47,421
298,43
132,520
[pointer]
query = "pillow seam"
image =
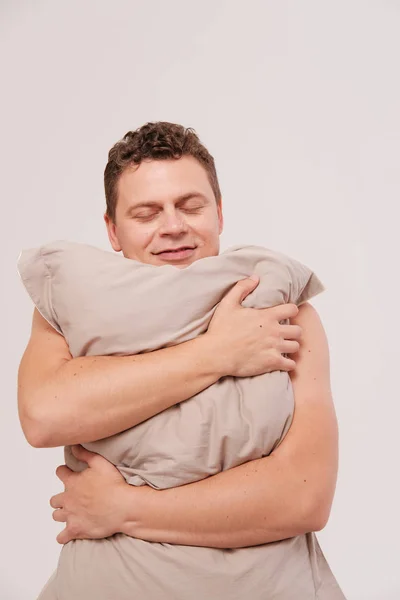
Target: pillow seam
x,y
50,278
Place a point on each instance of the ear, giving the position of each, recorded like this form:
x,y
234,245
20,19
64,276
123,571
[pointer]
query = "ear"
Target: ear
x,y
220,216
112,233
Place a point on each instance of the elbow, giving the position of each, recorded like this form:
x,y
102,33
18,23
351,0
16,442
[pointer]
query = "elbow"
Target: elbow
x,y
318,520
34,435
35,429
320,500
319,513
38,437
36,441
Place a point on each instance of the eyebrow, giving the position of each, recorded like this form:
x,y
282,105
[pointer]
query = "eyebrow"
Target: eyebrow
x,y
179,200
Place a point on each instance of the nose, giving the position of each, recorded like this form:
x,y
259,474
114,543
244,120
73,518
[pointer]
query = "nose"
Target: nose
x,y
173,223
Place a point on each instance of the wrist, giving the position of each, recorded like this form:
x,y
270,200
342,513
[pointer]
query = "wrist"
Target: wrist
x,y
137,503
215,355
145,515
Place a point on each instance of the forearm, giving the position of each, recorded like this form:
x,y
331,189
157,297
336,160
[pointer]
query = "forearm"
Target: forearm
x,y
254,503
89,398
282,495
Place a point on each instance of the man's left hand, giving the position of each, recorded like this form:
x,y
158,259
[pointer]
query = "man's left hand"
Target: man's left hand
x,y
91,503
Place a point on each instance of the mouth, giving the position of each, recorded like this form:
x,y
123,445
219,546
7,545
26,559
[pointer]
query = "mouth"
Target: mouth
x,y
176,253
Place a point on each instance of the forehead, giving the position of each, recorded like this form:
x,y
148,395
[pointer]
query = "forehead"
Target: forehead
x,y
162,181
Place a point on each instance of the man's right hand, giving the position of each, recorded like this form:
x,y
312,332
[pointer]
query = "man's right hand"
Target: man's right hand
x,y
251,341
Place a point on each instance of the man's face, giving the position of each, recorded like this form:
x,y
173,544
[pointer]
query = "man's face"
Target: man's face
x,y
164,205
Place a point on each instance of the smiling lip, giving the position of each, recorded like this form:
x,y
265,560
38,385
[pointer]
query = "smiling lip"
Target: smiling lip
x,y
177,254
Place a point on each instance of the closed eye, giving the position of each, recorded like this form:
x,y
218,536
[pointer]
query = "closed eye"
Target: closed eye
x,y
149,216
145,217
195,209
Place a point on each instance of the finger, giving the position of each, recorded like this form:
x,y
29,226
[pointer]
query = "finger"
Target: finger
x,y
283,311
289,347
70,532
60,515
287,364
63,472
83,454
57,501
240,290
63,537
291,332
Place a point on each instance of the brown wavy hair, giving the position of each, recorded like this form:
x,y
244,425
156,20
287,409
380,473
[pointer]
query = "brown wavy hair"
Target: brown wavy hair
x,y
157,141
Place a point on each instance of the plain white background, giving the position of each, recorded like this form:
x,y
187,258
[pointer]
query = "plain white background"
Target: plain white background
x,y
299,104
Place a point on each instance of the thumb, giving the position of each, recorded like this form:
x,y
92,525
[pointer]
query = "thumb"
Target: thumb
x,y
82,454
238,293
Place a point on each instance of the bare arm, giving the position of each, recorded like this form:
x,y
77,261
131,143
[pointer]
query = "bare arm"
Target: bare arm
x,y
64,400
285,494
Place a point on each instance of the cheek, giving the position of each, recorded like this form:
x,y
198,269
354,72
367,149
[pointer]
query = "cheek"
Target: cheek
x,y
135,239
211,229
207,226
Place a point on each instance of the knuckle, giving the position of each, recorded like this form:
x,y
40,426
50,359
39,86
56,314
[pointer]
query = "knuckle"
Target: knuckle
x,y
274,356
279,343
74,530
271,340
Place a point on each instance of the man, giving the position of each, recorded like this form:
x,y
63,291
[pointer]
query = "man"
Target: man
x,y
164,207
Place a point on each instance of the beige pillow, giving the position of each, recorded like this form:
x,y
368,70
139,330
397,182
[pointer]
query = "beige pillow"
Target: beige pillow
x,y
106,304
